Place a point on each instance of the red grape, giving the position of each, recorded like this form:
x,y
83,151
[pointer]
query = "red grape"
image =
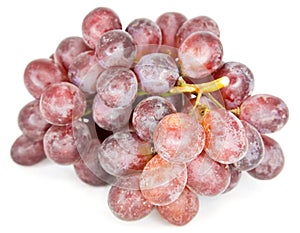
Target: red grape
x,y
62,103
68,49
178,138
97,22
31,122
226,140
182,210
266,113
157,73
41,73
117,87
207,177
200,55
128,204
26,152
272,163
116,48
235,177
241,83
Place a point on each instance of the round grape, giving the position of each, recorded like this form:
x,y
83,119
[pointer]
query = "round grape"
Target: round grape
x,y
266,113
128,204
241,83
41,73
26,152
182,210
226,140
178,138
31,122
116,48
157,73
62,103
200,54
117,87
235,177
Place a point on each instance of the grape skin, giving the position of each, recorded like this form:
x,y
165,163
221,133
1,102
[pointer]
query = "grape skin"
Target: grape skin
x,y
200,54
41,73
199,23
116,48
178,138
207,177
84,71
62,103
162,182
31,122
265,112
256,149
226,140
60,145
129,205
26,152
241,83
272,163
124,153
68,49
117,87
148,113
235,177
157,73
182,210
97,22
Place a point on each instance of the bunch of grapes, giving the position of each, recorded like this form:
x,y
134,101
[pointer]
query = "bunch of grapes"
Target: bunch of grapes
x,y
152,111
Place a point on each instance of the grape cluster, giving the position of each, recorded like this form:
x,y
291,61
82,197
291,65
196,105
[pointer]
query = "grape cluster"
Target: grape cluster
x,y
153,111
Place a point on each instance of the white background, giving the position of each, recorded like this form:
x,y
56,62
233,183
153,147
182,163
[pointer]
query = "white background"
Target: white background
x,y
264,35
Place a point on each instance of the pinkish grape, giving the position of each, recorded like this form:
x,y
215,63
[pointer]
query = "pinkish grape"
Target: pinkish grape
x,y
108,118
124,153
266,113
31,122
241,83
117,87
179,138
146,36
128,204
84,71
226,140
97,22
62,103
116,48
182,210
148,113
256,149
207,177
199,23
68,49
60,145
41,73
200,55
272,163
162,182
157,73
26,152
